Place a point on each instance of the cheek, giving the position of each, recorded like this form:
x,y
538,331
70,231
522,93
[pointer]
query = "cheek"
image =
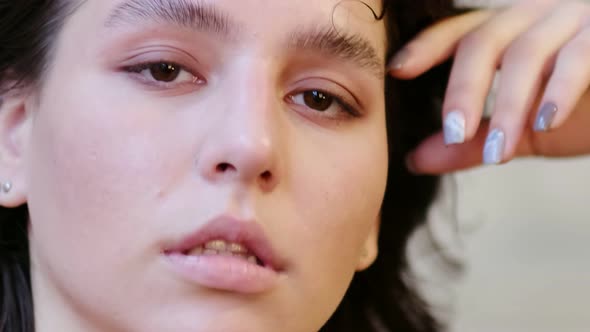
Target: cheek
x,y
344,182
95,169
101,164
338,191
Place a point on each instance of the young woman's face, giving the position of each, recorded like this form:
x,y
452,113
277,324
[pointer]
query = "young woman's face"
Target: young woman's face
x,y
164,125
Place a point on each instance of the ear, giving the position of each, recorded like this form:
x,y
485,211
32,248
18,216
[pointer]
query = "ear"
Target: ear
x,y
14,130
370,248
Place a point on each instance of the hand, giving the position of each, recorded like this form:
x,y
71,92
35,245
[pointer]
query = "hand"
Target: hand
x,y
542,106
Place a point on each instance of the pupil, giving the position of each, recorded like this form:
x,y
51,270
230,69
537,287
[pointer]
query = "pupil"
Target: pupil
x,y
318,100
164,72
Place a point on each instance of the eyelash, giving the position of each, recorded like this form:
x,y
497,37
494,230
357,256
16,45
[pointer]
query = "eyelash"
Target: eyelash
x,y
140,67
344,107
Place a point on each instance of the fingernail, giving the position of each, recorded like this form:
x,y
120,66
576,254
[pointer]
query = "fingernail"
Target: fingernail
x,y
545,117
493,150
454,128
399,60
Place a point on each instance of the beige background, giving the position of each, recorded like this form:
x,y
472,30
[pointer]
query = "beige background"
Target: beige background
x,y
526,233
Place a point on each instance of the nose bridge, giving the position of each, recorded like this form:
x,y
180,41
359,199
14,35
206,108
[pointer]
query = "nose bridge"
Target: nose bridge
x,y
254,115
243,146
255,105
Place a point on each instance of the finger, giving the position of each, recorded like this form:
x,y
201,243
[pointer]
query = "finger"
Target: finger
x,y
521,77
474,68
570,139
567,84
432,156
435,45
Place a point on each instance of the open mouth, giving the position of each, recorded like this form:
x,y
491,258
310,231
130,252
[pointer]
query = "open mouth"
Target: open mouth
x,y
227,254
223,248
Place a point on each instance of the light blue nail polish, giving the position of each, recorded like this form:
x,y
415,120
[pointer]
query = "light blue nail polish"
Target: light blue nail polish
x,y
454,128
493,150
545,117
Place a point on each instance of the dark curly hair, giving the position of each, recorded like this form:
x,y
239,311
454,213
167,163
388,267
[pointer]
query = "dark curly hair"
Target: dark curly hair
x,y
380,298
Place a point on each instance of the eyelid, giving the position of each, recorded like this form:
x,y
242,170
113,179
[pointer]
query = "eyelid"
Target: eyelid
x,y
163,53
342,95
141,66
136,70
346,108
353,110
154,53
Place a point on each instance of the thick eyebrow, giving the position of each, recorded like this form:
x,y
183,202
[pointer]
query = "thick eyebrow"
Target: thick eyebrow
x,y
183,13
334,43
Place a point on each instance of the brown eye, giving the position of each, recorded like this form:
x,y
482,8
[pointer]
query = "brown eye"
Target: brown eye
x,y
330,105
317,100
164,72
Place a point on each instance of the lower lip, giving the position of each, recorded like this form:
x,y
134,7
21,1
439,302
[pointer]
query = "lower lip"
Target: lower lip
x,y
221,272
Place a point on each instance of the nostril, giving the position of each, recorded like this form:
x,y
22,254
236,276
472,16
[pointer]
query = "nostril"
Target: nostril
x,y
224,167
266,176
228,169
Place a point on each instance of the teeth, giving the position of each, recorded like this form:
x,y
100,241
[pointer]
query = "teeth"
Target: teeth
x,y
220,247
237,248
216,245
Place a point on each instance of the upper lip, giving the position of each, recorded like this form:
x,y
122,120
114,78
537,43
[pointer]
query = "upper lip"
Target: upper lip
x,y
231,229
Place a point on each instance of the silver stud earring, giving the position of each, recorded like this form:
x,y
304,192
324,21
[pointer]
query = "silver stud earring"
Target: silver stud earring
x,y
6,187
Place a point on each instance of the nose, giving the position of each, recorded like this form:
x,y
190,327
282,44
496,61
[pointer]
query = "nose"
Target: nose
x,y
242,145
240,156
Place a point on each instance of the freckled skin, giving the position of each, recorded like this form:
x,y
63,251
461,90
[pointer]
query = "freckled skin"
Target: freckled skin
x,y
117,168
